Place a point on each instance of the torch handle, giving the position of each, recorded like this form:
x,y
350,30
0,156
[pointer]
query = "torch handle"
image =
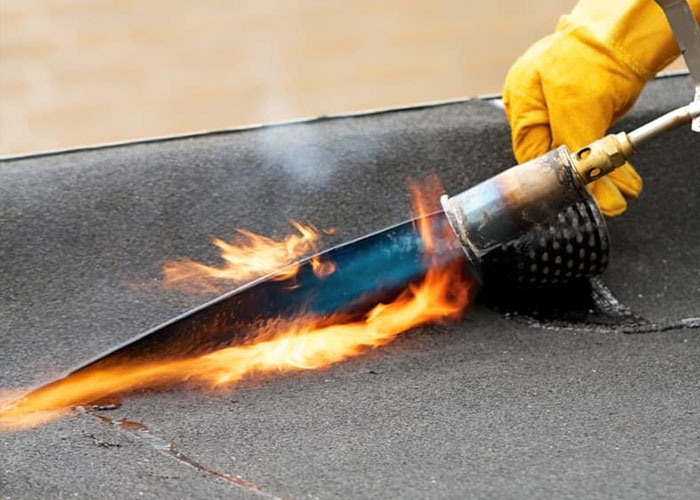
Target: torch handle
x,y
669,121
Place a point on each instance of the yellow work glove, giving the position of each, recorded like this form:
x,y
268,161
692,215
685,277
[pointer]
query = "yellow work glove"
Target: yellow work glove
x,y
569,87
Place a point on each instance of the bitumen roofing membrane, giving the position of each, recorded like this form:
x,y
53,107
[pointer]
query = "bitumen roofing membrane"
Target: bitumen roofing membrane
x,y
500,404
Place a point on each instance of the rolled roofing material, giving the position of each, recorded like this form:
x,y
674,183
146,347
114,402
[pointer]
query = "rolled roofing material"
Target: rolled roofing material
x,y
494,405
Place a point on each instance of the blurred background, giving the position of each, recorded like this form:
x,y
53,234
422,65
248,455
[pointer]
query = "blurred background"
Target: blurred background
x,y
80,72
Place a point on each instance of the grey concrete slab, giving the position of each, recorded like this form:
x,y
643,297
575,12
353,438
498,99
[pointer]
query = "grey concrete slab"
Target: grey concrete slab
x,y
487,407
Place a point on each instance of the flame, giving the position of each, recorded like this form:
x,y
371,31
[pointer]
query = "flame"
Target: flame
x,y
322,267
247,257
424,200
303,343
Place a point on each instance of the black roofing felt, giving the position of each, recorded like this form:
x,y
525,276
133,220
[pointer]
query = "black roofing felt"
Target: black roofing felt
x,y
492,406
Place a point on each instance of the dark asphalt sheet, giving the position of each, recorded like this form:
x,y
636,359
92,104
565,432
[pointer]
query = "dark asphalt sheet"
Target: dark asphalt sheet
x,y
492,406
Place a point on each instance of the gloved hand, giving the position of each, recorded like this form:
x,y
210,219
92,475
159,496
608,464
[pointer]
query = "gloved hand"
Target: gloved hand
x,y
569,87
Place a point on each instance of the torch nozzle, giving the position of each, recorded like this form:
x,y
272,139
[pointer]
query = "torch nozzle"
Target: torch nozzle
x,y
603,156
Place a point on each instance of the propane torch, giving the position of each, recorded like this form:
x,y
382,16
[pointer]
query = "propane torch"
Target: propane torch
x,y
500,209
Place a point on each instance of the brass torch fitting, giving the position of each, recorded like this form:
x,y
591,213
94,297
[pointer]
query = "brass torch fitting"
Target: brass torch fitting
x,y
601,157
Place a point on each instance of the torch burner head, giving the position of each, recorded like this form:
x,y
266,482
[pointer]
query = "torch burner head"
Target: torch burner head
x,y
502,208
534,224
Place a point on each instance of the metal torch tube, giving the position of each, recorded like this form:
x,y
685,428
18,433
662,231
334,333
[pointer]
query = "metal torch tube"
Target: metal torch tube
x,y
503,207
669,121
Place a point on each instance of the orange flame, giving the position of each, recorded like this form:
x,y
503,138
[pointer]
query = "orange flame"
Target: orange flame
x,y
304,343
247,257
